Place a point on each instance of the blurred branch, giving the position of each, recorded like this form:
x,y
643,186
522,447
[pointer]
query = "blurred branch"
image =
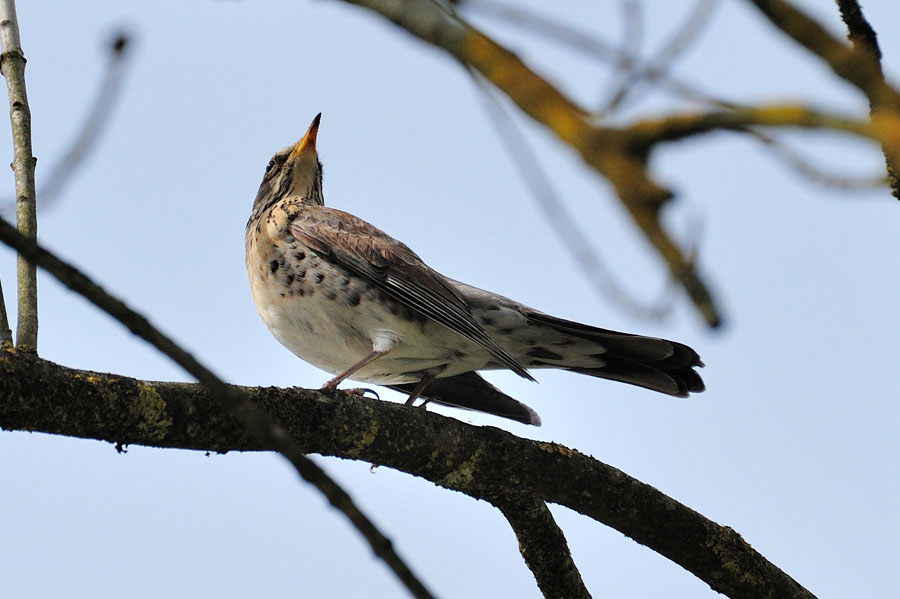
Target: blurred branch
x,y
94,125
12,65
864,40
656,72
228,399
666,56
624,69
560,219
857,64
544,548
621,154
813,173
647,133
859,32
607,150
482,462
590,45
98,118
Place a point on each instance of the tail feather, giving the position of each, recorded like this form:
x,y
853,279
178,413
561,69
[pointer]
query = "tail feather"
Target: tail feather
x,y
656,364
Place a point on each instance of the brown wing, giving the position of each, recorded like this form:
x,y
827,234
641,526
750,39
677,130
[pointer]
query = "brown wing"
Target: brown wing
x,y
366,251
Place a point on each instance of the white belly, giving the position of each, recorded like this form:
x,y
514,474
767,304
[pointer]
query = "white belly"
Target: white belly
x,y
333,324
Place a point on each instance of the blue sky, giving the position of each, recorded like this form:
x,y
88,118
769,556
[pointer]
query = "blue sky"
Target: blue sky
x,y
794,445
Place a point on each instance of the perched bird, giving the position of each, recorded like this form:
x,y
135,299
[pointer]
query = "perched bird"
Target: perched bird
x,y
355,302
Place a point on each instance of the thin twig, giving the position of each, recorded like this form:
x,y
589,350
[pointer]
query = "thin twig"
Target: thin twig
x,y
562,222
229,398
588,44
665,56
6,338
623,69
857,65
12,65
544,548
91,130
94,125
815,174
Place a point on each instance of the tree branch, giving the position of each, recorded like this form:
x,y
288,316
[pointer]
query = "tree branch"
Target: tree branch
x,y
483,462
544,548
863,38
857,64
607,150
229,399
12,65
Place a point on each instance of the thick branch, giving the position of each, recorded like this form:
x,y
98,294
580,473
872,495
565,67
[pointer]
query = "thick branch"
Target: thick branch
x,y
482,462
544,548
12,65
228,399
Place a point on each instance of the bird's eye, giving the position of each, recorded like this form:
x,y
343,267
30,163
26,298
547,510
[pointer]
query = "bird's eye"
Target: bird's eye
x,y
270,165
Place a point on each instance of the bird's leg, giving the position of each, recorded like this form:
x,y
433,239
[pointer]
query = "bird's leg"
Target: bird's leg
x,y
333,383
417,390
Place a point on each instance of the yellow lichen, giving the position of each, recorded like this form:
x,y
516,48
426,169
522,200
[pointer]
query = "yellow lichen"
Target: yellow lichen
x,y
150,411
463,475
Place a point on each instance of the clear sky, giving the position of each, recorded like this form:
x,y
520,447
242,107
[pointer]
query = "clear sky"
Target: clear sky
x,y
795,444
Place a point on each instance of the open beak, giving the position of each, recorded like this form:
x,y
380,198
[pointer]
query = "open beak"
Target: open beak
x,y
309,140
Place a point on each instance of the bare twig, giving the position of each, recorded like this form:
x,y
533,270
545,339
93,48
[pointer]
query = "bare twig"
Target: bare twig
x,y
588,44
6,338
230,399
91,130
665,56
810,171
94,125
544,548
12,65
625,65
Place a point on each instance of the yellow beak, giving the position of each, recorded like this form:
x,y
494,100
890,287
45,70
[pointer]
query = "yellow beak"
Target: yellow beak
x,y
309,140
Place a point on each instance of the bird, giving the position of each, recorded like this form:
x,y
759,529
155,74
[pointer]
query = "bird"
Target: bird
x,y
353,301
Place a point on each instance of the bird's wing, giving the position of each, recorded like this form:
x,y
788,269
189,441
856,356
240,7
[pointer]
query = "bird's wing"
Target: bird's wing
x,y
396,270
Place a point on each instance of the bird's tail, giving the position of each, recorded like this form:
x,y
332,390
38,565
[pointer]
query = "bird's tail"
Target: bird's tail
x,y
656,364
471,392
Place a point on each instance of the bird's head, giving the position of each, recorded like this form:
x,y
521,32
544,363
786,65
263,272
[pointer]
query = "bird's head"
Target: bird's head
x,y
294,171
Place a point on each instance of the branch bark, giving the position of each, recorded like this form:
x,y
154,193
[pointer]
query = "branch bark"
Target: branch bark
x,y
483,462
544,548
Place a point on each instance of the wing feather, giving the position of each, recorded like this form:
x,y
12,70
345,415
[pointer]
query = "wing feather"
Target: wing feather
x,y
396,270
